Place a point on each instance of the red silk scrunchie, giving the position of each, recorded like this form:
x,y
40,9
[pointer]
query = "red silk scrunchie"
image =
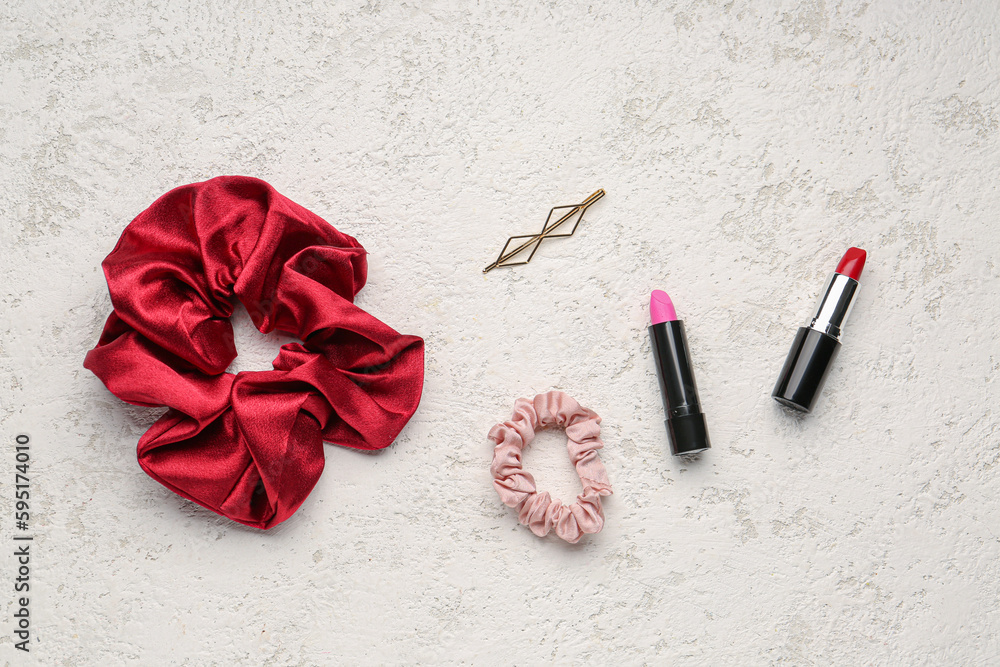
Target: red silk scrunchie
x,y
248,446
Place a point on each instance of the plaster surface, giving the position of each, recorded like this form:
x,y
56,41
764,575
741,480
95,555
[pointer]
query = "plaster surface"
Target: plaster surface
x,y
743,146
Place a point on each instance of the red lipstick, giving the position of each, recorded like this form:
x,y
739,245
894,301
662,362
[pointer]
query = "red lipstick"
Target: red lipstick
x,y
685,421
816,346
852,263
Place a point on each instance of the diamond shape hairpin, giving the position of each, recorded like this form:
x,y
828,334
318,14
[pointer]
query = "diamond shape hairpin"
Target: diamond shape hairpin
x,y
535,240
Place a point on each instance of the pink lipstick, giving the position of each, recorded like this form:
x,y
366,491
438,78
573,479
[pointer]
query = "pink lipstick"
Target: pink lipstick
x,y
685,421
816,346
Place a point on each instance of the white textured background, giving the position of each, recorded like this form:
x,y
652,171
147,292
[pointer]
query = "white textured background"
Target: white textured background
x,y
743,146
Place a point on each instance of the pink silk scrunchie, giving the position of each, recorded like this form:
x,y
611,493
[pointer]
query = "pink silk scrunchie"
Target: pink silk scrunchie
x,y
517,488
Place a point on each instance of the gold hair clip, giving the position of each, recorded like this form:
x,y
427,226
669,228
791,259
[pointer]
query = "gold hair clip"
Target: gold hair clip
x,y
503,259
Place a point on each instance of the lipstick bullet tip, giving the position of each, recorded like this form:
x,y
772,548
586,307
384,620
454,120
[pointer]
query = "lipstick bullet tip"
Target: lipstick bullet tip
x,y
661,308
852,263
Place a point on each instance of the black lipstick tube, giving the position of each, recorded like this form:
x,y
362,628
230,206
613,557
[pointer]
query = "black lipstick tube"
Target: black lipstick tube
x,y
816,346
685,421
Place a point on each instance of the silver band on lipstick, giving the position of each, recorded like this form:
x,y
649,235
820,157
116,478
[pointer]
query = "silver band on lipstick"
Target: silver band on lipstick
x,y
834,305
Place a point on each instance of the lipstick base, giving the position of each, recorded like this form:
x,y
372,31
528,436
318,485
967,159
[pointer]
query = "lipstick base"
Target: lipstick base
x,y
805,370
686,428
688,434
